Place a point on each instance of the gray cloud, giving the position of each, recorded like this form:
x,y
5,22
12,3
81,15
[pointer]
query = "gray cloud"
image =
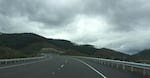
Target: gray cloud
x,y
38,11
124,15
104,23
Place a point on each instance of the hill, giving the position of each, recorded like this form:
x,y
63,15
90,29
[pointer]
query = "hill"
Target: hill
x,y
110,54
18,41
33,44
142,56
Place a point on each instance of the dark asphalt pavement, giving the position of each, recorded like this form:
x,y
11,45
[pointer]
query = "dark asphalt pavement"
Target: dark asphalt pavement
x,y
64,67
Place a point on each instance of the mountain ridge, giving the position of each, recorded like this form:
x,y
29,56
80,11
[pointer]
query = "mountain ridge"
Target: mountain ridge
x,y
30,44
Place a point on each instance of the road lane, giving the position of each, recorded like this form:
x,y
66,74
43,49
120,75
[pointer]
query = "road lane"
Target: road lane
x,y
56,67
75,69
65,67
35,70
113,72
101,74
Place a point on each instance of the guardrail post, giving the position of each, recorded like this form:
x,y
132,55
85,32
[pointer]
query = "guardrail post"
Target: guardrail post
x,y
132,68
108,63
15,61
5,62
117,66
123,67
144,72
99,61
111,64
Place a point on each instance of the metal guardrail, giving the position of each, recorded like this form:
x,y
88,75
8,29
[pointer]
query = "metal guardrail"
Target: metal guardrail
x,y
124,64
132,66
7,61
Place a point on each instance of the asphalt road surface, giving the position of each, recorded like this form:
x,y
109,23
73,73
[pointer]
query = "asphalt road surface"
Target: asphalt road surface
x,y
64,67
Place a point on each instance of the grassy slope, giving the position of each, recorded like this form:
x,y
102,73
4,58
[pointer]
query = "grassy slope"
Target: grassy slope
x,y
31,44
143,56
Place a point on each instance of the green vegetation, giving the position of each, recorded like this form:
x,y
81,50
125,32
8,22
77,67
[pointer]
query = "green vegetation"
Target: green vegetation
x,y
141,57
8,53
12,53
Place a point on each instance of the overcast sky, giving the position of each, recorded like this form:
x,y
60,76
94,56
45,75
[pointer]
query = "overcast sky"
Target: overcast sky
x,y
122,25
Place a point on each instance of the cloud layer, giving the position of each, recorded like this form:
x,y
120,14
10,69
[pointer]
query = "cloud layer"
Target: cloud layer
x,y
121,24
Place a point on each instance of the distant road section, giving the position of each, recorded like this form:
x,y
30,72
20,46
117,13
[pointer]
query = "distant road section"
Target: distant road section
x,y
64,67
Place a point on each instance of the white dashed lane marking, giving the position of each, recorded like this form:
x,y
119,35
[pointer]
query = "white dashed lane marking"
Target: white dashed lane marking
x,y
62,65
92,68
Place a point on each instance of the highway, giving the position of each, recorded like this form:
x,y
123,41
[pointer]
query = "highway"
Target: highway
x,y
56,66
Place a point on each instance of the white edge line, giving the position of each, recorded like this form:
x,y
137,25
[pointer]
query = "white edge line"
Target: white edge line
x,y
62,65
91,68
11,66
